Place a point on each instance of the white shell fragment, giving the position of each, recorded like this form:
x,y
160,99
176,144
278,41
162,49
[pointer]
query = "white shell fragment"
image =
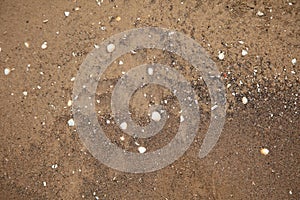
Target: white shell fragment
x,y
221,55
244,52
181,118
264,151
294,61
123,125
25,93
244,100
44,45
71,122
155,116
44,183
6,71
259,13
150,71
67,13
70,103
142,149
110,48
26,44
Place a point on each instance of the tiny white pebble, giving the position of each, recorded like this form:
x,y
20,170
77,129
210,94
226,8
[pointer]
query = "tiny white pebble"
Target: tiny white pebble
x,y
67,13
6,71
73,79
121,62
150,71
26,44
264,151
71,122
294,61
142,149
110,48
122,138
44,45
123,125
108,121
214,107
54,166
70,103
244,100
96,46
290,192
244,52
44,183
181,118
241,42
259,13
155,116
221,55
25,93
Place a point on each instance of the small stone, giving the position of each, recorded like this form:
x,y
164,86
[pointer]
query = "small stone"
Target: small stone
x,y
121,62
244,100
259,13
123,125
71,122
110,48
70,103
155,116
244,52
44,183
118,18
26,44
142,149
25,93
264,151
44,45
294,61
181,118
54,166
6,71
122,138
150,71
67,13
221,55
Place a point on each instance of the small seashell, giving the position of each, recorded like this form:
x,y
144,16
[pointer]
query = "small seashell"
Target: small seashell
x,y
110,48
